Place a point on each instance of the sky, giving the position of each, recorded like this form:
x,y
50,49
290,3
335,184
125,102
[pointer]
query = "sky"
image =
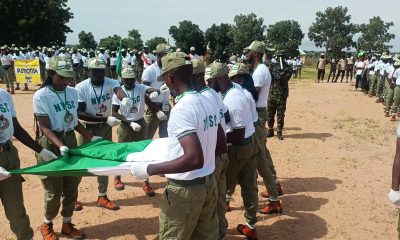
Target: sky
x,y
154,17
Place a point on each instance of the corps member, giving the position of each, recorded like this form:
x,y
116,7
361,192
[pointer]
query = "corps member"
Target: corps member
x,y
191,193
55,107
11,185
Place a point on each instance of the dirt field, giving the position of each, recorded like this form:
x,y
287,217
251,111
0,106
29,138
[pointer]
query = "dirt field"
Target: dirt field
x,y
334,166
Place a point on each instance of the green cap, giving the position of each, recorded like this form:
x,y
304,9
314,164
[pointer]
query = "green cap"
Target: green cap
x,y
96,63
256,46
62,48
128,72
174,60
198,66
215,70
62,66
237,69
163,48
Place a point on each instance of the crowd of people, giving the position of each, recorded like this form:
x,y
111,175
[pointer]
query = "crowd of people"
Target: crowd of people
x,y
376,75
217,110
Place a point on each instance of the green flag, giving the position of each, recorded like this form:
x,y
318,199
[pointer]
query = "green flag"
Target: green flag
x,y
119,59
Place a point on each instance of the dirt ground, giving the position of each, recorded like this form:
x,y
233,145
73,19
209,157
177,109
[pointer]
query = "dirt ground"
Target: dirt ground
x,y
334,166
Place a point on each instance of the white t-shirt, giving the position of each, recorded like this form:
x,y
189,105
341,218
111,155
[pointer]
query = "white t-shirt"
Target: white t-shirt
x,y
62,116
152,76
360,65
137,94
76,58
262,78
98,99
85,61
239,111
47,61
147,59
133,60
250,101
389,68
6,60
103,56
214,97
194,113
396,75
7,112
113,61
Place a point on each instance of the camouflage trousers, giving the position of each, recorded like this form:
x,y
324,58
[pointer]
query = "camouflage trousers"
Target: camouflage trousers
x,y
276,106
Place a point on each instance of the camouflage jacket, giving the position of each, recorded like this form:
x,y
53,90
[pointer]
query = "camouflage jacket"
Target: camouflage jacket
x,y
280,80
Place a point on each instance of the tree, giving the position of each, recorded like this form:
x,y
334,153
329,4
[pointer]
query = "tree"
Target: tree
x,y
187,35
86,40
374,35
110,42
38,23
285,36
333,31
152,43
247,28
219,38
134,40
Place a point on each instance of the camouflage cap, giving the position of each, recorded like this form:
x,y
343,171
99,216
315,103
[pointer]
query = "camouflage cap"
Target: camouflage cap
x,y
174,60
163,48
101,48
96,63
397,63
192,49
256,46
62,48
237,69
198,66
62,66
215,70
128,72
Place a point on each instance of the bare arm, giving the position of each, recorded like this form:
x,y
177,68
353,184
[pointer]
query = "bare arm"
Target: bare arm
x,y
115,113
44,125
83,115
24,137
191,159
82,130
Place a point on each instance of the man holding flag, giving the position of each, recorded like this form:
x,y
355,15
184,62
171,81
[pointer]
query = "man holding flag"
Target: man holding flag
x,y
94,111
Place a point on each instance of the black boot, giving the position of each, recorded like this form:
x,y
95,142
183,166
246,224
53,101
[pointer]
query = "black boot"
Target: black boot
x,y
279,134
270,133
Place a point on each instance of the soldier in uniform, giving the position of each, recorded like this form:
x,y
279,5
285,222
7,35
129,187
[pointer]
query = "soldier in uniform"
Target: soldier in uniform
x,y
321,67
279,92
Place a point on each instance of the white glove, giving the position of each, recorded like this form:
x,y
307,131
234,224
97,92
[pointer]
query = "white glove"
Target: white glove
x,y
153,96
126,103
47,155
136,127
95,138
394,197
4,174
164,89
139,170
112,121
64,150
161,115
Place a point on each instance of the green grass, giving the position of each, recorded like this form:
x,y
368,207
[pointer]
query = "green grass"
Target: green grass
x,y
308,72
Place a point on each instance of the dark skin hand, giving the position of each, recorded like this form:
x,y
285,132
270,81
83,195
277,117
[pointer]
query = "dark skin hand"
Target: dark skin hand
x,y
396,168
192,158
24,137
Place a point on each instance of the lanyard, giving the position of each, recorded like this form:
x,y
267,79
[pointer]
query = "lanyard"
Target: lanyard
x,y
65,97
98,98
130,92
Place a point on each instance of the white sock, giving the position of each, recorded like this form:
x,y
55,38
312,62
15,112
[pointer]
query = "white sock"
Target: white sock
x,y
228,197
67,219
47,221
273,199
250,226
102,194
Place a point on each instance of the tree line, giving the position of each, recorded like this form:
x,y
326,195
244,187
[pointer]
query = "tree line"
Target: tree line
x,y
44,23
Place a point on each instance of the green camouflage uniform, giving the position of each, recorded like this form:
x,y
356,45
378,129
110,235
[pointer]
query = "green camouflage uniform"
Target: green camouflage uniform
x,y
278,94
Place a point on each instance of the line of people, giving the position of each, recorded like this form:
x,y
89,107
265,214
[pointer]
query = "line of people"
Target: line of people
x,y
218,117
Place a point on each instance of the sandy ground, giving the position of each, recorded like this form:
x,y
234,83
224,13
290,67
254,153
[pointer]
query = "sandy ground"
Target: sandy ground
x,y
334,166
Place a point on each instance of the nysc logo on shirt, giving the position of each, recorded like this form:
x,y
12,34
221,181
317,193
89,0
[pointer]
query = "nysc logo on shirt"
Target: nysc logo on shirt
x,y
62,106
4,108
103,98
210,122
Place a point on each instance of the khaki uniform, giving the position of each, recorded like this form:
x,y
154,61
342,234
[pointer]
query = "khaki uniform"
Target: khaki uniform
x,y
11,194
193,219
221,164
126,133
103,130
153,123
57,188
265,166
242,169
